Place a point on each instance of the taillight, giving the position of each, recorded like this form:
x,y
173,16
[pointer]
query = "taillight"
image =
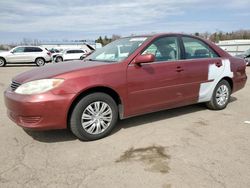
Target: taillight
x,y
49,53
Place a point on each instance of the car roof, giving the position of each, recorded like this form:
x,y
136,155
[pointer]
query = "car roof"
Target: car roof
x,y
30,46
74,49
158,34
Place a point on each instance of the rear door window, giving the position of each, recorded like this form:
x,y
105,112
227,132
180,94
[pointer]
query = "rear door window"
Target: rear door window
x,y
70,52
79,51
32,49
196,49
36,49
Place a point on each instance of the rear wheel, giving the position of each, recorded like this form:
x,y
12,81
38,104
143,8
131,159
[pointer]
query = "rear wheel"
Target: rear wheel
x,y
40,62
2,62
94,117
221,96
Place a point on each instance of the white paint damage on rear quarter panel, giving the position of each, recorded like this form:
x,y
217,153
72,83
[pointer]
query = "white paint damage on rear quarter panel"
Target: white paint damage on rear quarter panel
x,y
216,74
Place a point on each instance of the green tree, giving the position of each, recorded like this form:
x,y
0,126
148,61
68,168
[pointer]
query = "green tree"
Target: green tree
x,y
99,40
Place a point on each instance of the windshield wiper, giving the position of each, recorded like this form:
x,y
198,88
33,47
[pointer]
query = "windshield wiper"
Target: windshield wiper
x,y
108,60
89,60
102,60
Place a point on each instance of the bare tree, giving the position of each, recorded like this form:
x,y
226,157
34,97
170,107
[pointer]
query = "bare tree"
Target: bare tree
x,y
115,37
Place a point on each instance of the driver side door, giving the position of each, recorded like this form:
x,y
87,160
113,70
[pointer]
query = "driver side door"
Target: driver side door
x,y
154,86
17,55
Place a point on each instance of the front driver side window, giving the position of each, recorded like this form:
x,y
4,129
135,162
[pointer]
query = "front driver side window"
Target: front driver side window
x,y
164,49
18,50
70,52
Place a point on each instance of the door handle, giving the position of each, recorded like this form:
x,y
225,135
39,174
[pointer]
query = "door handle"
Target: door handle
x,y
179,69
218,64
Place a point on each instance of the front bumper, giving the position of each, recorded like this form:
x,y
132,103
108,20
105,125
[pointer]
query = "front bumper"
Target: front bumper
x,y
40,112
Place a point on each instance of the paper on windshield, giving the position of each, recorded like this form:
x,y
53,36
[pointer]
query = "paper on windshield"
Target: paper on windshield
x,y
138,39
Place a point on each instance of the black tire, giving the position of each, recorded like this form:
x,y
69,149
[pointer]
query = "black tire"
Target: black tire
x,y
2,62
213,104
59,59
40,62
76,116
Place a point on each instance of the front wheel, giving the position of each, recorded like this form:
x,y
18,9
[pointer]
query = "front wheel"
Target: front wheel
x,y
2,62
94,116
221,96
59,59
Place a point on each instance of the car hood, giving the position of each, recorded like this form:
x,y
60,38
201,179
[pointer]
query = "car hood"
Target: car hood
x,y
53,70
240,55
4,53
57,53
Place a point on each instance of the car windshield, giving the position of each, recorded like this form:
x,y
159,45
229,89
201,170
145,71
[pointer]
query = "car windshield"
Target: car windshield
x,y
118,50
64,51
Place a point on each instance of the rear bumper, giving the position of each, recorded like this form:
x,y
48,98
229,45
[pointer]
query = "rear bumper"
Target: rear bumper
x,y
48,58
239,83
39,112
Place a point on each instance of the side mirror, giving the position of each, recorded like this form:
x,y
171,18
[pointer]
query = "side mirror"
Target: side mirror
x,y
146,58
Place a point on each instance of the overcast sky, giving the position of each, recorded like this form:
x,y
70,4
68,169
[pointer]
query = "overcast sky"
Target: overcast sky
x,y
87,19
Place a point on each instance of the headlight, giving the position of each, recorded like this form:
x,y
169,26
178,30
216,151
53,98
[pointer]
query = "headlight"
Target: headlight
x,y
38,86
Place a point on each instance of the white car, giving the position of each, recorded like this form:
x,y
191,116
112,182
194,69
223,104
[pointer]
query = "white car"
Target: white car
x,y
25,54
246,56
69,54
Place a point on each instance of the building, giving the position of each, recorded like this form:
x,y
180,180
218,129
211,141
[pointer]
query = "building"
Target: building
x,y
79,44
234,47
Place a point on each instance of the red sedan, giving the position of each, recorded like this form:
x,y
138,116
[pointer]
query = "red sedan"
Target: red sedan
x,y
128,77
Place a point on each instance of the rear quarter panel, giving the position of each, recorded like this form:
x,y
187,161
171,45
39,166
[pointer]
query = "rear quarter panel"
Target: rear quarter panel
x,y
238,67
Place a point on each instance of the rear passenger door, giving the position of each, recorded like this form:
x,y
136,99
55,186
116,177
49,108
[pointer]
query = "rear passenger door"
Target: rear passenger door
x,y
31,53
200,64
78,54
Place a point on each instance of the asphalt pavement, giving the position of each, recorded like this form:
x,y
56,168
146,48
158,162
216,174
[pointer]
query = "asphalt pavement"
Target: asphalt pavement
x,y
184,147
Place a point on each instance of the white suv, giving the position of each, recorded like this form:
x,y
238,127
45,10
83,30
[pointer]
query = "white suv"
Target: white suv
x,y
69,54
25,54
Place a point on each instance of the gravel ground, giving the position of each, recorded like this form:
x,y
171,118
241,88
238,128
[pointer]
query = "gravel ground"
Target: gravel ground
x,y
185,147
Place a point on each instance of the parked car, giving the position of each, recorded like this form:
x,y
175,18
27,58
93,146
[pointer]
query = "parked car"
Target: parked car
x,y
91,50
25,54
69,54
86,55
245,56
52,51
128,77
